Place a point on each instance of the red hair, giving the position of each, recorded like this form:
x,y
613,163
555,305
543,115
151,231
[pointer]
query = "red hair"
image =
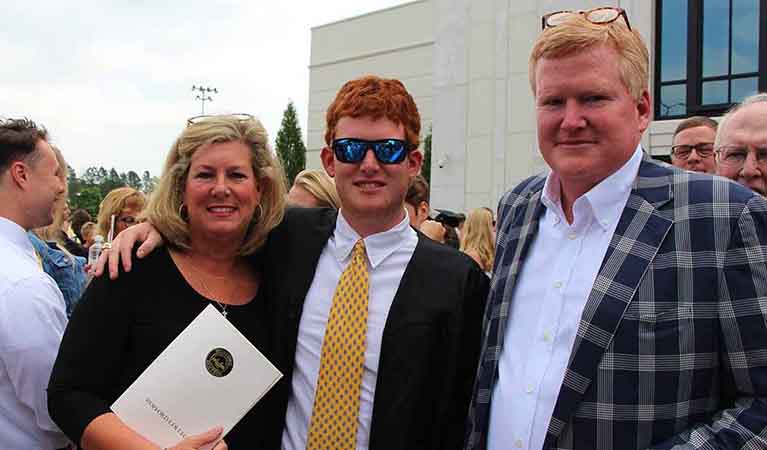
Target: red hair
x,y
375,97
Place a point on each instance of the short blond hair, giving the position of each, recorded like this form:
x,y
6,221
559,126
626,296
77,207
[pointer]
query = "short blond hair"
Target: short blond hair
x,y
165,203
576,34
87,227
115,201
320,185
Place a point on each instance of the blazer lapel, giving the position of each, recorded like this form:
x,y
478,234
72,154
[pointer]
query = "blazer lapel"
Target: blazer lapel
x,y
513,243
638,236
303,268
294,262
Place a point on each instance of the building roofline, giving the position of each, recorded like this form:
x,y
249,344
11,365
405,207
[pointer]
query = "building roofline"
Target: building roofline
x,y
349,19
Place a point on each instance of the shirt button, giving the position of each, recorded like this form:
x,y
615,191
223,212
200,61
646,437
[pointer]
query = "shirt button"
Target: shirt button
x,y
557,284
572,236
529,389
518,443
546,336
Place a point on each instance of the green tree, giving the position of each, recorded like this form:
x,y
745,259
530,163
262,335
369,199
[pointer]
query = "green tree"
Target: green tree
x,y
92,176
133,180
290,147
148,182
426,169
88,198
110,182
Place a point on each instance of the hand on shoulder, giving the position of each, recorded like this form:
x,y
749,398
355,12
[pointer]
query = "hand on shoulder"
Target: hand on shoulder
x,y
122,246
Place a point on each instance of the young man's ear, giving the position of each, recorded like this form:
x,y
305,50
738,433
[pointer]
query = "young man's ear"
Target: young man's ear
x,y
423,209
415,161
328,160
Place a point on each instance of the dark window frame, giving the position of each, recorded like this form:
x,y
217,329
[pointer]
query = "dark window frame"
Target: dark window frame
x,y
694,80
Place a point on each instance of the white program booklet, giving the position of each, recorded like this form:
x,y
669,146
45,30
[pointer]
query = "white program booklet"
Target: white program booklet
x,y
210,375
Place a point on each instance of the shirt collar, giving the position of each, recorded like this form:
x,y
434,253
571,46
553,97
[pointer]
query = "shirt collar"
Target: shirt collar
x,y
606,199
378,246
17,236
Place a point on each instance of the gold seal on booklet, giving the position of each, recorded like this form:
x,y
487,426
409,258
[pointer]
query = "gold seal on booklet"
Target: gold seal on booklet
x,y
219,362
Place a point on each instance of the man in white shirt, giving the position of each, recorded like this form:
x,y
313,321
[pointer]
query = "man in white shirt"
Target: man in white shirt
x,y
32,311
627,310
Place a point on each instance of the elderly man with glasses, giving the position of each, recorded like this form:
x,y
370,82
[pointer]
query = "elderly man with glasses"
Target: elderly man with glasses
x,y
628,308
693,145
741,144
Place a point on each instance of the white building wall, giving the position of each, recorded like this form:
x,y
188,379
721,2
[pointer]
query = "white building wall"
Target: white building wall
x,y
467,67
392,43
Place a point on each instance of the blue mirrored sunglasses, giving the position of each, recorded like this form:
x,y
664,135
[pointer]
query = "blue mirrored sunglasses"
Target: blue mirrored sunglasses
x,y
386,151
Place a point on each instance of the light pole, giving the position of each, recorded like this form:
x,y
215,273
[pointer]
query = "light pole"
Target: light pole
x,y
204,95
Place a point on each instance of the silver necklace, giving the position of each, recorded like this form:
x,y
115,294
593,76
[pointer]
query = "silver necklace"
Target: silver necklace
x,y
222,306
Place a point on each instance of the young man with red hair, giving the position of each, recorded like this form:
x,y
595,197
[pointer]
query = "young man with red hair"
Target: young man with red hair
x,y
377,327
425,300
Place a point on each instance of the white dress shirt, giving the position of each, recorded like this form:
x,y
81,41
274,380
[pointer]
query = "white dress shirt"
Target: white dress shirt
x,y
32,321
551,292
388,253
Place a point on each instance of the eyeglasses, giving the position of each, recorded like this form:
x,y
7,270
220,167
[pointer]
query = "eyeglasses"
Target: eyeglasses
x,y
242,117
387,151
683,151
128,220
735,157
600,16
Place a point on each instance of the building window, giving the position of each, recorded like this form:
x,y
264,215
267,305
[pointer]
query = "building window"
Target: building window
x,y
709,55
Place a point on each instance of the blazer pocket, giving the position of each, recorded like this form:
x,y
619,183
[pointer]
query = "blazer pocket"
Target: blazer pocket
x,y
666,315
667,332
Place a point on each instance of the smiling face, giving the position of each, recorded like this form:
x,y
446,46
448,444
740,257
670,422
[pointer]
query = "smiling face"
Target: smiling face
x,y
221,192
372,194
588,123
45,176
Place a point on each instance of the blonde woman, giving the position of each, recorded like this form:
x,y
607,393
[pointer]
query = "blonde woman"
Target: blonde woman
x,y
125,204
221,192
477,238
314,189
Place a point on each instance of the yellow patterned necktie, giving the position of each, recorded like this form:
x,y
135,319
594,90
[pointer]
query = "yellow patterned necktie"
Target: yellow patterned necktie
x,y
337,398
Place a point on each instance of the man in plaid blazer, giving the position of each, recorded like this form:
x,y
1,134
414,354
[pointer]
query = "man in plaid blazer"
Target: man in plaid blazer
x,y
628,306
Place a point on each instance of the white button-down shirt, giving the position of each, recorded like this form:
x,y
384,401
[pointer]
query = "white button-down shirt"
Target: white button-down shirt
x,y
32,321
551,292
388,254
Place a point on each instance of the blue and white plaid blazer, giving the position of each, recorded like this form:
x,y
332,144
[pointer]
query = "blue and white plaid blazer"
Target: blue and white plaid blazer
x,y
672,344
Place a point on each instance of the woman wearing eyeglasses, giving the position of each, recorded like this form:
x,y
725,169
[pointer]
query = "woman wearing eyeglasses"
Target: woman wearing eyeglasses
x,y
120,207
220,194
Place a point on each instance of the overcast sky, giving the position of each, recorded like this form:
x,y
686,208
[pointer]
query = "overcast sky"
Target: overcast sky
x,y
111,80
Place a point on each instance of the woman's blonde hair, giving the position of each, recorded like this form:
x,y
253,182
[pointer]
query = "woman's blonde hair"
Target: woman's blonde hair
x,y
115,201
320,185
87,226
164,209
577,34
477,236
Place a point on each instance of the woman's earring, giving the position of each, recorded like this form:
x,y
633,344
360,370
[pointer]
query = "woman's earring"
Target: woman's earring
x,y
183,213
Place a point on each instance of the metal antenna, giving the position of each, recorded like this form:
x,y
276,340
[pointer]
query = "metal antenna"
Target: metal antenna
x,y
204,95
